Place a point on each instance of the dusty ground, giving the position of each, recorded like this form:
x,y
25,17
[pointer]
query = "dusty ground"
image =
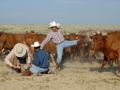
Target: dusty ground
x,y
73,76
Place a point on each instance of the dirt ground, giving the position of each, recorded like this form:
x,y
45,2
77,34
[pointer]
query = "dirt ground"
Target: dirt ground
x,y
73,76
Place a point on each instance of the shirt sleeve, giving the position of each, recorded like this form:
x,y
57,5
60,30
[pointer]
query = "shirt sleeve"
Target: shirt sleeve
x,y
36,60
9,56
48,37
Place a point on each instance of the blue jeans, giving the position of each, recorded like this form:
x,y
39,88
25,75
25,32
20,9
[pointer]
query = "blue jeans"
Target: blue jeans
x,y
63,45
35,69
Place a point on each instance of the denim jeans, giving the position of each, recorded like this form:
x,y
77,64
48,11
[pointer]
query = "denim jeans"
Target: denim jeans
x,y
63,45
34,69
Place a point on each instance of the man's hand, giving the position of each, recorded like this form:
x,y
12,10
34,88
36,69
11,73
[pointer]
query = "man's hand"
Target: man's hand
x,y
18,67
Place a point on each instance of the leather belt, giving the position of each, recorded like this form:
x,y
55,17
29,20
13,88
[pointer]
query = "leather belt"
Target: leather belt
x,y
58,43
45,67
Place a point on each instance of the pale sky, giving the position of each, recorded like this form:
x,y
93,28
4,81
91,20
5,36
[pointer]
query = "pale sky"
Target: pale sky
x,y
87,12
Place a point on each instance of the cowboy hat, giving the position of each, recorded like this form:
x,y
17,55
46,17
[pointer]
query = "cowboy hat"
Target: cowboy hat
x,y
36,44
20,50
52,24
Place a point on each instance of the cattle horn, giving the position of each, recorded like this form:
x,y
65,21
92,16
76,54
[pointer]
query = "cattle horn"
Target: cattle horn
x,y
93,33
104,34
90,35
98,32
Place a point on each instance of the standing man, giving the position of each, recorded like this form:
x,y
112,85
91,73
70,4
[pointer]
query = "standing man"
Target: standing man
x,y
57,37
21,53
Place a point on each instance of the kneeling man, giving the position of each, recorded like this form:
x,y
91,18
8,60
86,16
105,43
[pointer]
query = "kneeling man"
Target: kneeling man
x,y
40,63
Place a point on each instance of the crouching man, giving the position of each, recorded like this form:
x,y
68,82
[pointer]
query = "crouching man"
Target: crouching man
x,y
20,53
40,62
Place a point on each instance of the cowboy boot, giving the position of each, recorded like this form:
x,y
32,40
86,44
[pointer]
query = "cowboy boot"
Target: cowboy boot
x,y
57,67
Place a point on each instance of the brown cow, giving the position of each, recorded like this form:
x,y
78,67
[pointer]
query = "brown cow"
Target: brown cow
x,y
72,50
7,40
110,44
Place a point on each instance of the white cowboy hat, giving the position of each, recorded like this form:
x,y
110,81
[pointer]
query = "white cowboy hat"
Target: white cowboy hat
x,y
52,24
20,50
36,44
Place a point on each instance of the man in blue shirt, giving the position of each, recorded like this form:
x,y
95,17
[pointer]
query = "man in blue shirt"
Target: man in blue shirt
x,y
40,62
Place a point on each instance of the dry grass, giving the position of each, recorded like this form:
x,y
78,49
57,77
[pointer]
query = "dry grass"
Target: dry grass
x,y
23,28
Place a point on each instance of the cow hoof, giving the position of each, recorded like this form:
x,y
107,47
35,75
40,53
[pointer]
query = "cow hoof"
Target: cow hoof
x,y
100,70
118,73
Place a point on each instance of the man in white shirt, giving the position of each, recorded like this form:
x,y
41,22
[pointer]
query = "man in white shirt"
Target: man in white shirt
x,y
22,53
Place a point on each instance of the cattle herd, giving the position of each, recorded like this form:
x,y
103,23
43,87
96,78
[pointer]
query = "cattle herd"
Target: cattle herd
x,y
93,42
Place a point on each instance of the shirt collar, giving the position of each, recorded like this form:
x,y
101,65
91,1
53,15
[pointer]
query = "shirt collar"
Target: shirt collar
x,y
52,31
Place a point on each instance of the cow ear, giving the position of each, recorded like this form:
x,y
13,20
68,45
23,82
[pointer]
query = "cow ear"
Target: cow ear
x,y
104,39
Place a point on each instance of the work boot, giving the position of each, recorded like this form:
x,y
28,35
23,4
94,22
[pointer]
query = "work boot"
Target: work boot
x,y
50,72
57,68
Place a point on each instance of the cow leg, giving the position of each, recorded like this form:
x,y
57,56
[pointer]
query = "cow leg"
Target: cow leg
x,y
118,72
90,56
72,52
3,54
116,62
52,58
103,63
110,62
81,55
71,57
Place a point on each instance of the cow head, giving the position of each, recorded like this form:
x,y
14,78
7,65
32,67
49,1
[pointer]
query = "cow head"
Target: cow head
x,y
66,36
97,42
73,36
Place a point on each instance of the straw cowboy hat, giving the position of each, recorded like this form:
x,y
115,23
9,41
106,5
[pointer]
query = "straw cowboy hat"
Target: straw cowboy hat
x,y
36,44
52,24
20,50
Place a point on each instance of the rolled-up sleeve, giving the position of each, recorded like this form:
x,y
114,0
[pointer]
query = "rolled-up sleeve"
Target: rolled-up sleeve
x,y
48,37
9,56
